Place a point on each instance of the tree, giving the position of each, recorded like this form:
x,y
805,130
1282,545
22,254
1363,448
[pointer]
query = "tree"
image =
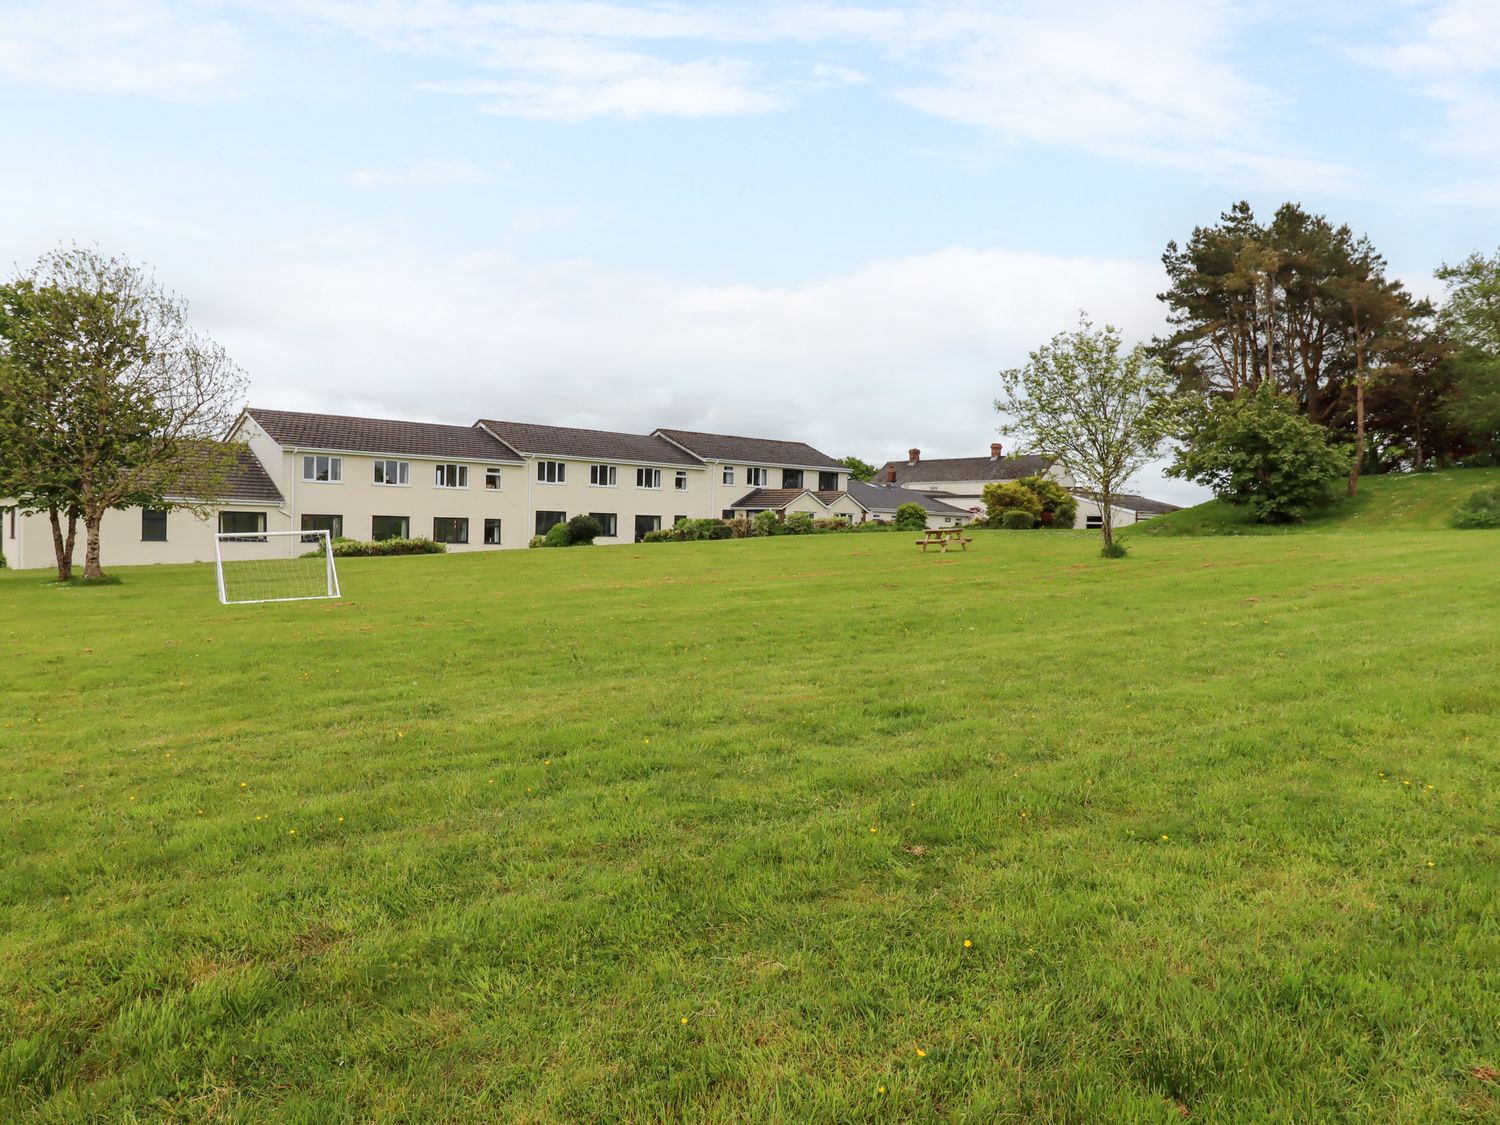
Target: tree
x,y
858,470
583,530
1259,452
1471,317
911,517
1102,415
132,396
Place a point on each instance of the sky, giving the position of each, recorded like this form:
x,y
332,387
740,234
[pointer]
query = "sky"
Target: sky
x,y
834,222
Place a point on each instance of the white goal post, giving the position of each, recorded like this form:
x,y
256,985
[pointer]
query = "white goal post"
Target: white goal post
x,y
274,566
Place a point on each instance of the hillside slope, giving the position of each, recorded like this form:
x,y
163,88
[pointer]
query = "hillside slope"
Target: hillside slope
x,y
1406,502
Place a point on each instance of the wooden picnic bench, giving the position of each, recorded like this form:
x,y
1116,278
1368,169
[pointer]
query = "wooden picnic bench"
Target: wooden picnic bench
x,y
944,537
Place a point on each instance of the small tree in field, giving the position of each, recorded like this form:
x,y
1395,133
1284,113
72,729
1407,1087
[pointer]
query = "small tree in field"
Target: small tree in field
x,y
1100,413
108,398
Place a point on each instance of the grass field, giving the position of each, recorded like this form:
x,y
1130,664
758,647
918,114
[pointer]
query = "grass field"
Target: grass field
x,y
785,830
1409,502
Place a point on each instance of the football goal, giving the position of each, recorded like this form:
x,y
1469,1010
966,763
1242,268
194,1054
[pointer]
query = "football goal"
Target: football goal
x,y
274,566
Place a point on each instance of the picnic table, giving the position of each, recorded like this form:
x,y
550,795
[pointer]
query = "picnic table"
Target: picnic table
x,y
944,537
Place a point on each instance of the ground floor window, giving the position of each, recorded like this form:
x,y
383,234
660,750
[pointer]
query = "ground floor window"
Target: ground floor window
x,y
677,520
153,525
546,521
1093,523
389,527
334,525
242,523
450,529
492,533
644,525
728,514
609,521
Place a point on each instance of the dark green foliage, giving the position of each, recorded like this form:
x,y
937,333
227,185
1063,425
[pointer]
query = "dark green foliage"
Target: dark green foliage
x,y
557,536
1114,549
1017,519
767,523
358,549
797,523
911,517
1482,509
691,531
1259,452
583,530
1058,508
1009,496
859,470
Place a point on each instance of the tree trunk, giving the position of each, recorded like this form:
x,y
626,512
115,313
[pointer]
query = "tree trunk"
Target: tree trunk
x,y
62,548
1107,519
91,567
1359,434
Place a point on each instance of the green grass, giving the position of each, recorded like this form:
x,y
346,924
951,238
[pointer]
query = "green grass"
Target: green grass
x,y
1397,502
700,832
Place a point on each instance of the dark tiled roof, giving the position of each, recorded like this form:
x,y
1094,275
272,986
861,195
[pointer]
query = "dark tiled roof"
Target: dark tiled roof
x,y
1138,503
773,499
876,497
294,429
764,451
966,468
246,479
606,445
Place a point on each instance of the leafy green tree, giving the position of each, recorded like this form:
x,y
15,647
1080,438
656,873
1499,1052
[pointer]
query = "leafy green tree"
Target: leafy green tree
x,y
583,530
1003,496
1260,452
1102,413
132,396
1471,317
911,517
859,470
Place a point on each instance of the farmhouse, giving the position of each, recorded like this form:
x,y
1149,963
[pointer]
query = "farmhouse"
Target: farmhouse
x,y
959,482
490,485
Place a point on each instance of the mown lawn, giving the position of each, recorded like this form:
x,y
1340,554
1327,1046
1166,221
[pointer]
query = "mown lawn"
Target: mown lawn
x,y
1395,502
783,830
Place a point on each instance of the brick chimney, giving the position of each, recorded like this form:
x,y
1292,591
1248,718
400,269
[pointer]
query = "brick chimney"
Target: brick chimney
x,y
890,474
913,456
994,451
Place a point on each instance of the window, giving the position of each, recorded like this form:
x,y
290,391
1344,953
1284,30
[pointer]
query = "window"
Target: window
x,y
552,472
453,476
727,514
677,520
322,468
757,478
728,474
602,475
492,533
1093,523
679,482
12,523
645,525
791,478
609,522
828,482
389,527
392,472
153,525
334,525
546,521
648,478
241,523
450,529
492,479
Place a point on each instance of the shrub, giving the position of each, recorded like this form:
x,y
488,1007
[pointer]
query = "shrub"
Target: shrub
x,y
583,530
874,525
355,548
740,527
911,517
797,523
662,535
1059,508
537,541
557,535
2,560
1114,550
1260,453
767,523
1482,509
1010,496
1017,519
833,524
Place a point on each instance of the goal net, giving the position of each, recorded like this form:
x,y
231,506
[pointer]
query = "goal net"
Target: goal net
x,y
274,566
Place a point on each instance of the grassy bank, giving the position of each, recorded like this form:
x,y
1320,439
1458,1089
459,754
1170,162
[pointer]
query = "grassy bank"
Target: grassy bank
x,y
769,830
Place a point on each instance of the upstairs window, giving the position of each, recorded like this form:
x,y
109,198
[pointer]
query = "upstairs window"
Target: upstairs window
x,y
791,478
551,472
322,468
392,472
602,475
679,482
757,478
492,479
828,482
453,476
648,478
728,474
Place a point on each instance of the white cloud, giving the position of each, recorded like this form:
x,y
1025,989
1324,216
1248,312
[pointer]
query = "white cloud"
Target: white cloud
x,y
425,173
151,48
